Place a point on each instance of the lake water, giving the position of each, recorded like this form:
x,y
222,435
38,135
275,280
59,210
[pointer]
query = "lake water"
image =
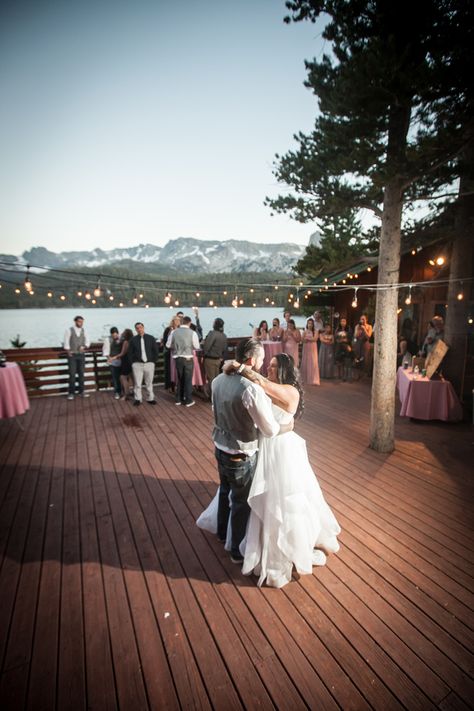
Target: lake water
x,y
45,327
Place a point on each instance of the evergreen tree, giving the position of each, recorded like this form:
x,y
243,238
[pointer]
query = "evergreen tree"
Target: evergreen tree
x,y
342,241
388,133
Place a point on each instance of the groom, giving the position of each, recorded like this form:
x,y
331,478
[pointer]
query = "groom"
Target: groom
x,y
241,410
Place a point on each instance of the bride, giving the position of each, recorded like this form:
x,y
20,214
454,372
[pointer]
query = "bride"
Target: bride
x,y
290,522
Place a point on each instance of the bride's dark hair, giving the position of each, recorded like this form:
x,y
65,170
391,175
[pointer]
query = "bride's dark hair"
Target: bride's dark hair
x,y
288,374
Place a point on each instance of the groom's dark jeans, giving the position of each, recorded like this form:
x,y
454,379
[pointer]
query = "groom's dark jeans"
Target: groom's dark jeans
x,y
236,473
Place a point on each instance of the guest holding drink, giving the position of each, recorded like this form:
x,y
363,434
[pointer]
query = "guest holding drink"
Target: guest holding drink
x,y
310,359
261,332
326,353
276,331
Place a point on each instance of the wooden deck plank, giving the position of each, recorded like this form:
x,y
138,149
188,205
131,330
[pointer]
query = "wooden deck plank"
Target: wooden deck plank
x,y
130,686
21,573
113,598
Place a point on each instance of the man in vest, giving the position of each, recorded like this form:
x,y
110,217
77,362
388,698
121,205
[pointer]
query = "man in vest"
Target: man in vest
x,y
182,342
143,354
241,410
111,349
75,343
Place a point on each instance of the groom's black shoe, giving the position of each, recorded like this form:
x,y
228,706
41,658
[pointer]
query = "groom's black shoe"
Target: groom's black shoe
x,y
237,558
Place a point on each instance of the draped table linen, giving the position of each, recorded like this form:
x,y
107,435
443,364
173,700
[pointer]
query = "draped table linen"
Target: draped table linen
x,y
13,396
425,399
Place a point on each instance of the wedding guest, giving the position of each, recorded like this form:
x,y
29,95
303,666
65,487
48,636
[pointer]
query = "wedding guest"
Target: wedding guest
x,y
261,332
310,361
183,341
403,355
173,324
75,343
435,333
126,378
291,340
197,327
318,322
110,350
276,331
361,340
344,354
143,355
286,318
326,353
213,349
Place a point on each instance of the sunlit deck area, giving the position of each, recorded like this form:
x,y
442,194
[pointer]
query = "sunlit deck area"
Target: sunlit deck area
x,y
110,597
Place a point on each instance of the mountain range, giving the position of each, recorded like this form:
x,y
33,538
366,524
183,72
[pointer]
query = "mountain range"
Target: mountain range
x,y
184,254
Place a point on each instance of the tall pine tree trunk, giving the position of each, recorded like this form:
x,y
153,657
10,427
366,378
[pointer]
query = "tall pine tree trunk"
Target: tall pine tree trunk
x,y
382,412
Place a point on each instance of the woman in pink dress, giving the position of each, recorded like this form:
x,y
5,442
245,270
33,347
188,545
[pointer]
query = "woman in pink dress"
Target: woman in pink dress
x,y
291,341
309,361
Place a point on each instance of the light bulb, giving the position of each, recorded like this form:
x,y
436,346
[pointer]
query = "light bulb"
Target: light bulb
x,y
460,296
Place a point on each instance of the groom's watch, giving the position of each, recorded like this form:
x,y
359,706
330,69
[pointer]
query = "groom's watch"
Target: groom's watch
x,y
240,368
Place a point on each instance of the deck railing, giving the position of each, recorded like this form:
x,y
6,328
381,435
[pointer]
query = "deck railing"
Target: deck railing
x,y
45,370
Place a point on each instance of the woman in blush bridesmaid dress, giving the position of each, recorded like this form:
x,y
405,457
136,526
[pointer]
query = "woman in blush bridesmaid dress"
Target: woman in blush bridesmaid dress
x,y
309,361
291,341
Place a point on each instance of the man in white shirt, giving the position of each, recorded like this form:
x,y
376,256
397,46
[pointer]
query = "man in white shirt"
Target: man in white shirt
x,y
318,321
76,341
241,409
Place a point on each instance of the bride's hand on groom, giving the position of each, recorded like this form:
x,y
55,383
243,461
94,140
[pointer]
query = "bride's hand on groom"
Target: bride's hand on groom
x,y
230,366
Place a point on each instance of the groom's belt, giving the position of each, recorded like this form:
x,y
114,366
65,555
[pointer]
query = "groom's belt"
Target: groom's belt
x,y
236,455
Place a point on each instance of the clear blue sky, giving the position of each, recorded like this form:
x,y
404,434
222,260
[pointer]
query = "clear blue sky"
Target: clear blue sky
x,y
142,121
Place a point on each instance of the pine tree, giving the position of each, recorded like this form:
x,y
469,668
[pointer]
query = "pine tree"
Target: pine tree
x,y
385,137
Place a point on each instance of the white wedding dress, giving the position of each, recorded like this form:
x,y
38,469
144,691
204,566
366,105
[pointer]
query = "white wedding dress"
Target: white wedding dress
x,y
290,522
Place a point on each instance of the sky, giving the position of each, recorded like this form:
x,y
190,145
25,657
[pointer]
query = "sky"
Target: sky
x,y
139,121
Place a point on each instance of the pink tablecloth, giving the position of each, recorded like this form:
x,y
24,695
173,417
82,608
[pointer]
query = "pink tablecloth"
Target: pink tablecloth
x,y
197,373
426,399
271,348
13,397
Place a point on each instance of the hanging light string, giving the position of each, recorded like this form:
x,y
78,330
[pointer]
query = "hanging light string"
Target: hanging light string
x,y
98,284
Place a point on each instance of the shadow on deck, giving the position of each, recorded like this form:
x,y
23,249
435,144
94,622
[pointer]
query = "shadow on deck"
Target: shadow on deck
x,y
110,597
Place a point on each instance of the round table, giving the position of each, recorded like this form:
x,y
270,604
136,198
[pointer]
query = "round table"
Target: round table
x,y
13,396
271,348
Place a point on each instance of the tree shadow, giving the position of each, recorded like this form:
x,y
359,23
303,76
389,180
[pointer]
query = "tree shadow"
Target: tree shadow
x,y
130,521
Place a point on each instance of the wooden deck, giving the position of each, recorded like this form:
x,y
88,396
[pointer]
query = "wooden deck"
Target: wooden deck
x,y
110,597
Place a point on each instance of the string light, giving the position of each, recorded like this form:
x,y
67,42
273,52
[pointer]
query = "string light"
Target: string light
x,y
460,294
167,298
62,297
354,300
97,290
408,299
50,294
87,296
27,283
440,261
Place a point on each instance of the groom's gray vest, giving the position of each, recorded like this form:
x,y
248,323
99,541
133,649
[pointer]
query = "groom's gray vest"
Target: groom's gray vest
x,y
234,428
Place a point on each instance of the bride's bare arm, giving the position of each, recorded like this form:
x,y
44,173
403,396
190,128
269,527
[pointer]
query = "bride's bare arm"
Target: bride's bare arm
x,y
285,396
